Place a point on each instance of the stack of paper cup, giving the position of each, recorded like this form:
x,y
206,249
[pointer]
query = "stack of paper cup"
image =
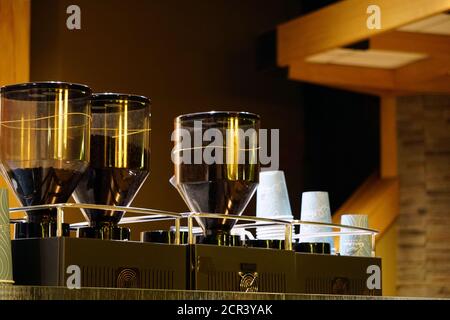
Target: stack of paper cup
x,y
6,274
272,201
355,245
315,208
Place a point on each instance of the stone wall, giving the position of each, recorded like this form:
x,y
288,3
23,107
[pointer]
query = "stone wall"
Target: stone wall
x,y
423,253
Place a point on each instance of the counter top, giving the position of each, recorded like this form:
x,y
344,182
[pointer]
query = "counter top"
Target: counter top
x,y
10,292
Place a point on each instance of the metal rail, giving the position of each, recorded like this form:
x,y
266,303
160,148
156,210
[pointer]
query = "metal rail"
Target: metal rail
x,y
152,215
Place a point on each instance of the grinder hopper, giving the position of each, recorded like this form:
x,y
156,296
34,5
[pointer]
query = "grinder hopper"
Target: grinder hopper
x,y
44,135
120,161
216,165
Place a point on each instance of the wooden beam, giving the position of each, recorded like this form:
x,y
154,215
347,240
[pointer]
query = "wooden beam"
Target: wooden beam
x,y
436,85
14,41
427,76
432,44
331,74
344,23
363,90
421,71
388,137
430,74
14,51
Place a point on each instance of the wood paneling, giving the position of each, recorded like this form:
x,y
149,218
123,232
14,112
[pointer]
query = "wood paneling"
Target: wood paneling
x,y
14,41
14,49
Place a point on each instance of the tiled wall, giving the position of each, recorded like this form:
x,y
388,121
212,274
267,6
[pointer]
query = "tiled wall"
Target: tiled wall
x,y
423,267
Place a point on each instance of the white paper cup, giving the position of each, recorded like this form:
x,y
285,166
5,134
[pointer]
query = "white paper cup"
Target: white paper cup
x,y
355,245
6,274
316,208
272,199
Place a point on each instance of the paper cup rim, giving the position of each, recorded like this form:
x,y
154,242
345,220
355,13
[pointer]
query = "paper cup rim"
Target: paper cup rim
x,y
314,192
354,215
271,172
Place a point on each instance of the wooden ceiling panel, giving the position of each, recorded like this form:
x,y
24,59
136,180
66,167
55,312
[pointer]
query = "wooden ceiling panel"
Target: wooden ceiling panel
x,y
373,58
344,23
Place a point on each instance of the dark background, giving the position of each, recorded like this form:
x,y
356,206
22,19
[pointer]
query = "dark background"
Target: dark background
x,y
201,55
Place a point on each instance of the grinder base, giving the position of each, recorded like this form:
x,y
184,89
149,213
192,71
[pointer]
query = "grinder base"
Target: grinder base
x,y
104,233
26,230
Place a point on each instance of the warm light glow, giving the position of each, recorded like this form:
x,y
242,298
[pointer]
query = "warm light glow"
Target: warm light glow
x,y
121,136
22,137
125,135
65,118
61,110
232,143
116,147
29,141
119,141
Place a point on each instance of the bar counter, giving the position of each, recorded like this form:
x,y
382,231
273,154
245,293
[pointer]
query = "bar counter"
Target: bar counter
x,y
62,293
